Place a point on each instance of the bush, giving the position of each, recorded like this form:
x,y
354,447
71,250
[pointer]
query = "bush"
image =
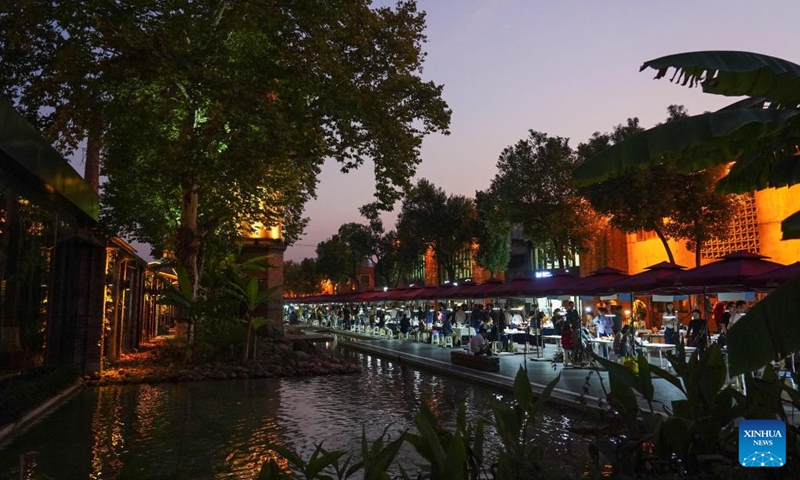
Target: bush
x,y
24,392
218,340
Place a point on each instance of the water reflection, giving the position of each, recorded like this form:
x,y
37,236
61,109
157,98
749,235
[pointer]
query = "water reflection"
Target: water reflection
x,y
220,430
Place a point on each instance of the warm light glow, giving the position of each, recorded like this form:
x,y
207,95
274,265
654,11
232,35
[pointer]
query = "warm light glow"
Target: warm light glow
x,y
258,231
627,312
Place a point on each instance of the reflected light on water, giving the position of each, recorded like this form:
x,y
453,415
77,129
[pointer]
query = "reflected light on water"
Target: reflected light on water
x,y
222,429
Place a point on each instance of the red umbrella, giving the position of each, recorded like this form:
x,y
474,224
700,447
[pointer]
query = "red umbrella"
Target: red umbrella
x,y
774,278
462,291
598,282
557,284
368,296
731,271
429,292
520,287
450,291
406,293
486,289
653,277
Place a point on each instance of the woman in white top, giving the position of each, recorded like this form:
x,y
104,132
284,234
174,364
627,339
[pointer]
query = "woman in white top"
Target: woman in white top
x,y
671,324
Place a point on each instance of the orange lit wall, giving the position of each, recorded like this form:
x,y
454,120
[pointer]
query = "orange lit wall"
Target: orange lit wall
x,y
773,206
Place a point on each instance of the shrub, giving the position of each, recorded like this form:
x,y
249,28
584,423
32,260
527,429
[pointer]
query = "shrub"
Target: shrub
x,y
24,392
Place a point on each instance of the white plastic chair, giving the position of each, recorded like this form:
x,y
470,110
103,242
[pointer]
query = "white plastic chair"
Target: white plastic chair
x,y
448,341
376,331
496,347
436,339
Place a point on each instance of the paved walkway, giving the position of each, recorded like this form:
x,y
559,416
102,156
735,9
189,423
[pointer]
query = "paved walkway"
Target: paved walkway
x,y
573,389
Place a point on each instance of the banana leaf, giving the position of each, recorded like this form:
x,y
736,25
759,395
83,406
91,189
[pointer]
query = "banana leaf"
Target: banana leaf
x,y
769,331
791,227
758,170
692,143
734,74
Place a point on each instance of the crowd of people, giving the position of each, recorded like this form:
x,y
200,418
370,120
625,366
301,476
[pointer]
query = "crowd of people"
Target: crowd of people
x,y
491,322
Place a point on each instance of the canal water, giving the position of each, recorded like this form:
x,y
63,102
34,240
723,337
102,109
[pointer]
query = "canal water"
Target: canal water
x,y
220,430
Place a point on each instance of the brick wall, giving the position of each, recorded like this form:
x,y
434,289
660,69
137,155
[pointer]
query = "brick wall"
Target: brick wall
x,y
608,248
272,277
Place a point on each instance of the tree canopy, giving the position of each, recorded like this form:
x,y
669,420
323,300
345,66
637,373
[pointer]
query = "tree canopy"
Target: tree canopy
x,y
445,223
214,116
533,189
659,198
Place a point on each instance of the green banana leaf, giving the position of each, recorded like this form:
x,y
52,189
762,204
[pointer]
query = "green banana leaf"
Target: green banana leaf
x,y
769,331
692,143
734,74
760,170
791,227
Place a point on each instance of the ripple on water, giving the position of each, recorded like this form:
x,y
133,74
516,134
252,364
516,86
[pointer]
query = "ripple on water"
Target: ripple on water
x,y
220,430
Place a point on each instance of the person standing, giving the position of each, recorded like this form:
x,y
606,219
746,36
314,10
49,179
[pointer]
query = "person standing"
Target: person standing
x,y
460,316
739,311
698,331
671,324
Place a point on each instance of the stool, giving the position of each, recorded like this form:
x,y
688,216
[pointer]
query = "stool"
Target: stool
x,y
436,339
496,347
448,341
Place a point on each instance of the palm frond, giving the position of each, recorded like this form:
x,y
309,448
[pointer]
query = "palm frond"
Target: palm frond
x,y
734,73
692,143
791,227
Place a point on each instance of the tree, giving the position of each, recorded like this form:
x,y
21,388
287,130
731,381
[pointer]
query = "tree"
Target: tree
x,y
533,189
223,112
700,212
492,233
301,278
639,199
435,220
340,257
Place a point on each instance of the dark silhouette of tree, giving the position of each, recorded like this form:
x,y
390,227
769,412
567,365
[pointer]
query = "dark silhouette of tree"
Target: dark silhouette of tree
x,y
533,189
432,219
492,234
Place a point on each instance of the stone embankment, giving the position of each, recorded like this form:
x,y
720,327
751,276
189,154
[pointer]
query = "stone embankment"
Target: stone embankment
x,y
163,361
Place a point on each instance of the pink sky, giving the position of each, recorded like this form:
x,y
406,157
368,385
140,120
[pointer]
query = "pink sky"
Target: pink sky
x,y
566,68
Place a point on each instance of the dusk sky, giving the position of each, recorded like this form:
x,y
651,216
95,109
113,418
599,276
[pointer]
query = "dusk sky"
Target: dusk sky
x,y
566,68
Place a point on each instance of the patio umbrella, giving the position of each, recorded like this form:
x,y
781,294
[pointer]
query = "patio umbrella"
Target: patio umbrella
x,y
520,287
598,282
556,284
460,290
727,274
429,292
485,289
652,278
774,278
401,294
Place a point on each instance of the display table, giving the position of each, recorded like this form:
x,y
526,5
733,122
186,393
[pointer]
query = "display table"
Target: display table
x,y
660,347
556,339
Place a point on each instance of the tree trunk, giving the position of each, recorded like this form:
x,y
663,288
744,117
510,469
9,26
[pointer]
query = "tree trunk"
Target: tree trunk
x,y
91,171
698,248
664,242
188,247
